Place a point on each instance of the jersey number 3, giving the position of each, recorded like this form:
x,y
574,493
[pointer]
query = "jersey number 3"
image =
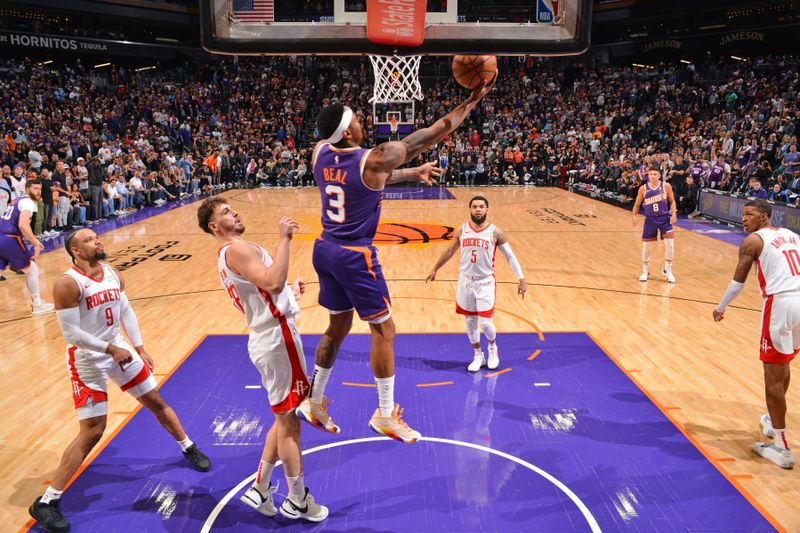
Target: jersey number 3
x,y
335,201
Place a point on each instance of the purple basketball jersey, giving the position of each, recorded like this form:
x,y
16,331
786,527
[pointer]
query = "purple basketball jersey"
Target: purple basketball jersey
x,y
697,171
655,201
9,220
350,209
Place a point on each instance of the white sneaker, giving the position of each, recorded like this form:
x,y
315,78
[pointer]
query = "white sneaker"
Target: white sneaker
x,y
668,275
770,452
310,510
42,309
644,276
264,504
493,360
477,362
393,426
766,426
317,415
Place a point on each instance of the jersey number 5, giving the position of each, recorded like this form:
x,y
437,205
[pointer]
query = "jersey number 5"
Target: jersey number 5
x,y
335,201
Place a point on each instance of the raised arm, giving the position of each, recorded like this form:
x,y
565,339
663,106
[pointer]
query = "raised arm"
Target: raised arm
x,y
243,259
749,251
390,155
446,255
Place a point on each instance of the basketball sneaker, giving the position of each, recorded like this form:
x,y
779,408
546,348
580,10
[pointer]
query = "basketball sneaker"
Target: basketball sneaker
x,y
317,415
308,509
770,452
264,504
477,362
42,309
393,426
645,275
668,275
198,459
48,515
766,426
493,360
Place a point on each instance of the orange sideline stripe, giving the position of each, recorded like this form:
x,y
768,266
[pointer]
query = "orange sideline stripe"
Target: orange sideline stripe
x,y
729,477
351,384
534,354
493,374
30,523
724,459
435,384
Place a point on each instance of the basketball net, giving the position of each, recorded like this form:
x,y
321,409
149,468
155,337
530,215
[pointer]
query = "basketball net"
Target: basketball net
x,y
396,79
393,123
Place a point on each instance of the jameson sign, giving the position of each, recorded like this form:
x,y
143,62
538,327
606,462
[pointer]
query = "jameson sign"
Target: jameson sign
x,y
23,41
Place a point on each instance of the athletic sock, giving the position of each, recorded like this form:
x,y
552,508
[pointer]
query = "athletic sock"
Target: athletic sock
x,y
780,439
319,382
263,476
385,395
297,488
185,444
51,494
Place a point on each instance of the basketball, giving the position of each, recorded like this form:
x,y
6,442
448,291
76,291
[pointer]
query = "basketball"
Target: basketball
x,y
469,71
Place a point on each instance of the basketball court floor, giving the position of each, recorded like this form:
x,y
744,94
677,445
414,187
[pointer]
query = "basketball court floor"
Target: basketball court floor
x,y
618,405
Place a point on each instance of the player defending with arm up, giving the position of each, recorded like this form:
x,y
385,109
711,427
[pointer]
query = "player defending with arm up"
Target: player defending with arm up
x,y
351,181
776,253
475,294
660,213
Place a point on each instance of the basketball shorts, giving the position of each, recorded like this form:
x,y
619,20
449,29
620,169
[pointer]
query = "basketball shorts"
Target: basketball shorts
x,y
350,277
277,354
14,253
475,296
89,372
780,328
655,225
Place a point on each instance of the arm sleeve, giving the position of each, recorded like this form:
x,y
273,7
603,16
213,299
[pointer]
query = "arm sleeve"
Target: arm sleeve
x,y
734,288
505,249
129,321
70,320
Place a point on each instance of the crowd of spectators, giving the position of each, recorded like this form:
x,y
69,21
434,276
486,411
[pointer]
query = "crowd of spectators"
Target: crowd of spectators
x,y
105,142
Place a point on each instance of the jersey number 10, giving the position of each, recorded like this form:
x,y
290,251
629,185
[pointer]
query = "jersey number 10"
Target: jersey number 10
x,y
793,258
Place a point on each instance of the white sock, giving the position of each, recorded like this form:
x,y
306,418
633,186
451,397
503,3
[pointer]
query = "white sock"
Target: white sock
x,y
385,395
32,283
478,351
185,444
263,476
780,439
51,494
297,488
319,382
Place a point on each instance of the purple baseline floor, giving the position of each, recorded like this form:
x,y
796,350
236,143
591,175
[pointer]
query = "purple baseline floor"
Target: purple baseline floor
x,y
571,412
417,193
720,231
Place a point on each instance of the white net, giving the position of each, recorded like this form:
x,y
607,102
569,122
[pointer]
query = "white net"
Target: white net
x,y
396,79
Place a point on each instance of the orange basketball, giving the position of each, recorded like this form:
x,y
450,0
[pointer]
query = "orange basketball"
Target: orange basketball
x,y
469,71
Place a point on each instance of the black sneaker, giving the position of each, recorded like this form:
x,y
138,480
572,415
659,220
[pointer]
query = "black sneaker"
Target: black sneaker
x,y
2,277
198,459
48,515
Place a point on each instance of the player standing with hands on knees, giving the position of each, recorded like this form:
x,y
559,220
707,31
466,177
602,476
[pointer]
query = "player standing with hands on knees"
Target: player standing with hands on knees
x,y
351,181
479,240
776,254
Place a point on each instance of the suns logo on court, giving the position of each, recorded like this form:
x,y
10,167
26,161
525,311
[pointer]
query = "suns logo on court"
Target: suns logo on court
x,y
411,233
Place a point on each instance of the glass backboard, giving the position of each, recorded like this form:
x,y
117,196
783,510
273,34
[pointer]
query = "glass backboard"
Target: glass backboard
x,y
338,27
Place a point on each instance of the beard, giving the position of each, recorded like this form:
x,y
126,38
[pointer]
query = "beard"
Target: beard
x,y
100,256
478,220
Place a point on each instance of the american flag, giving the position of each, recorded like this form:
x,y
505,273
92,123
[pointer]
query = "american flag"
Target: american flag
x,y
254,10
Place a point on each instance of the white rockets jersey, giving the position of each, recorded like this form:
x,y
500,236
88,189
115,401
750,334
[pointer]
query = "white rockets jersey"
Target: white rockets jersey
x,y
778,266
477,251
99,302
263,309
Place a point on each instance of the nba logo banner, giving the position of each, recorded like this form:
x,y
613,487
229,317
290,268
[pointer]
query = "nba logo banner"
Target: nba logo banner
x,y
546,10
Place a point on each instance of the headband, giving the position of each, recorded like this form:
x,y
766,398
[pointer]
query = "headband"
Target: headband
x,y
347,117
